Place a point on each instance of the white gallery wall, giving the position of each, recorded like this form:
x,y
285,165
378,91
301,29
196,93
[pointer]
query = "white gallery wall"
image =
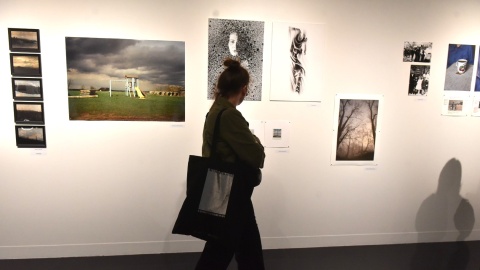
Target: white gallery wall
x,y
115,187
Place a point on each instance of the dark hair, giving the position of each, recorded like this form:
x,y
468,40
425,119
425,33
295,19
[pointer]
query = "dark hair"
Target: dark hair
x,y
232,79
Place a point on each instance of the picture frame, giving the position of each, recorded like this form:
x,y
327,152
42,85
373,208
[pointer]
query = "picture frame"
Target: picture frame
x,y
27,89
26,65
28,113
24,40
30,136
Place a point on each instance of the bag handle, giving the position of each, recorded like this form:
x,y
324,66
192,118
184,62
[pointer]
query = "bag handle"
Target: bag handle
x,y
216,131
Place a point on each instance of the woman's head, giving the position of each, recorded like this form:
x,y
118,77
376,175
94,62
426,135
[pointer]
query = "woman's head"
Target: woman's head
x,y
233,80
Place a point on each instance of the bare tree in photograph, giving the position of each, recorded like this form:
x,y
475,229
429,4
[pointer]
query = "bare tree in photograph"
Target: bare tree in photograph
x,y
357,125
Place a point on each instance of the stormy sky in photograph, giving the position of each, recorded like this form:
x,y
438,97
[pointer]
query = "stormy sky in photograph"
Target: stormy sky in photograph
x,y
96,61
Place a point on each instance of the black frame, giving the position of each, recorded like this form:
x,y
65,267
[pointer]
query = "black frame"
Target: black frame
x,y
23,142
40,89
28,117
37,72
16,48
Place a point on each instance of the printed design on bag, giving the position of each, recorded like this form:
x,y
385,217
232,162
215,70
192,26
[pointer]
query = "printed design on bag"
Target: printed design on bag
x,y
216,193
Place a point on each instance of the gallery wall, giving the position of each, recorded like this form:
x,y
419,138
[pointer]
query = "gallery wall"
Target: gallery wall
x,y
115,187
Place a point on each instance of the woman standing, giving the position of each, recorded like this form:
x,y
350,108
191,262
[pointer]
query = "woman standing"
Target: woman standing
x,y
236,143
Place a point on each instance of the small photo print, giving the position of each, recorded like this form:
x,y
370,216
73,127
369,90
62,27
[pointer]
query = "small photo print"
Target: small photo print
x,y
417,51
277,133
455,106
27,89
24,40
30,136
28,112
28,65
419,80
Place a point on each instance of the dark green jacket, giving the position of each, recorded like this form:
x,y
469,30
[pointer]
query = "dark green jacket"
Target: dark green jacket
x,y
235,140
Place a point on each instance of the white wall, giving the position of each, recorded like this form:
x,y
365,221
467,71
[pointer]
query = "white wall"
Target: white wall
x,y
98,191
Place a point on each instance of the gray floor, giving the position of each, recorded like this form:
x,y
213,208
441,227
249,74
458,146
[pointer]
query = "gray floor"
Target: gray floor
x,y
438,256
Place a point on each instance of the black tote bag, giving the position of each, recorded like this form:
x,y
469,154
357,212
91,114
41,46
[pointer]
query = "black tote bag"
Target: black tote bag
x,y
218,195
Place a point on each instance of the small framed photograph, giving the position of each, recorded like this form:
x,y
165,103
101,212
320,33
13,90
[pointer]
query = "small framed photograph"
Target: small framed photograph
x,y
27,89
28,113
30,136
24,40
27,65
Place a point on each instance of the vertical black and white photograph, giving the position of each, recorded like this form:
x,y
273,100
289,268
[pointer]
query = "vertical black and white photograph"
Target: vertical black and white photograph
x,y
296,61
356,129
30,136
28,65
419,80
28,113
417,51
240,40
459,68
27,89
24,40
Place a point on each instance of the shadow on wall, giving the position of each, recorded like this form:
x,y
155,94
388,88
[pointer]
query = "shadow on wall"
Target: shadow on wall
x,y
443,212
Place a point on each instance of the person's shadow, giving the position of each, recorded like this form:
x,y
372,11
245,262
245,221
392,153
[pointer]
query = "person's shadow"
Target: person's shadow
x,y
442,212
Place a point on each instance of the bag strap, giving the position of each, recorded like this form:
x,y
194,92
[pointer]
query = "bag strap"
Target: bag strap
x,y
216,131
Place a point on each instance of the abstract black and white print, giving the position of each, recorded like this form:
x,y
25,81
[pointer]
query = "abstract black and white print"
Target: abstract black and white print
x,y
236,39
296,61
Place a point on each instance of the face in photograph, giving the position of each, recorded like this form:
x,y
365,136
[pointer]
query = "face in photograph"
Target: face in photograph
x,y
232,44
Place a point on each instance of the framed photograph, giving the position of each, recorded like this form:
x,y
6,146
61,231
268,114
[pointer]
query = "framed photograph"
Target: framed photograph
x,y
24,40
277,134
27,89
28,65
298,74
30,136
356,129
125,79
241,40
28,113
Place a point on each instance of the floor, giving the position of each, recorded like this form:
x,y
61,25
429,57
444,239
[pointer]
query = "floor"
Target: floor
x,y
434,256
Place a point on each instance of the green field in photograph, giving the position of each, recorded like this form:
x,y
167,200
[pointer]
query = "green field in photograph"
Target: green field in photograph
x,y
121,107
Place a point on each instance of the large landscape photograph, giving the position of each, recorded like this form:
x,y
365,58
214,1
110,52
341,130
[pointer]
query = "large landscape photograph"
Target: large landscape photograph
x,y
125,80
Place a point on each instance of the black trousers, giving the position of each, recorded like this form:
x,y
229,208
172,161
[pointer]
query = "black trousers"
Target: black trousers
x,y
248,253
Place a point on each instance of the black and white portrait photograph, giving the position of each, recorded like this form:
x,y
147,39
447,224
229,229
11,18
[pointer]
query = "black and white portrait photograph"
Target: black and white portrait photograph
x,y
356,129
27,88
417,51
30,136
240,40
419,80
28,113
28,65
125,79
296,61
24,40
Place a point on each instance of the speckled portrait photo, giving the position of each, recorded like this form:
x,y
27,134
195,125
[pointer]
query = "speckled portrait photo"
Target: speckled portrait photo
x,y
237,39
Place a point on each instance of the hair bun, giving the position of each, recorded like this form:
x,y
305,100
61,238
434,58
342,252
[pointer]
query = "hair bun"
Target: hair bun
x,y
231,63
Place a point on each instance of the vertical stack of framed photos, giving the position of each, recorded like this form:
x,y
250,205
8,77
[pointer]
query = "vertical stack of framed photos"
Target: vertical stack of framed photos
x,y
27,89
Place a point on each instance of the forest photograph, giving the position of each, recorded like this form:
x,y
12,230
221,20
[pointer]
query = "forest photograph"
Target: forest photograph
x,y
356,129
